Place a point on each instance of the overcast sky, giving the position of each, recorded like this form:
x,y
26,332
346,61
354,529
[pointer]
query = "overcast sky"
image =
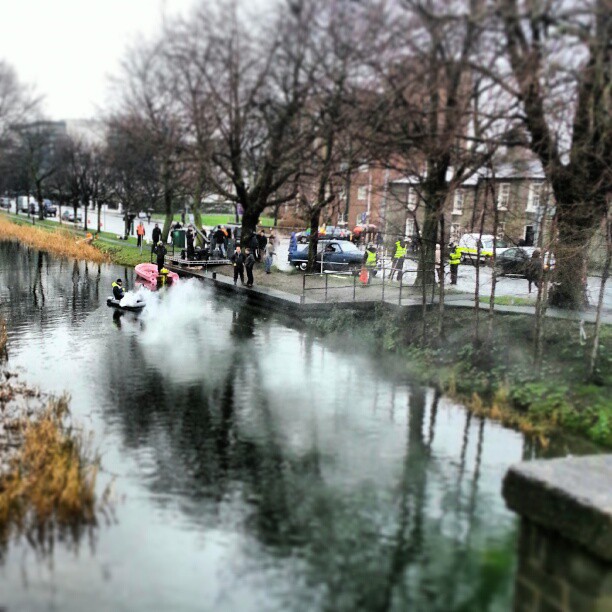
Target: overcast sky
x,y
68,48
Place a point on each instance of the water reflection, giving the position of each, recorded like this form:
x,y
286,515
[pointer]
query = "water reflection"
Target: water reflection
x,y
291,473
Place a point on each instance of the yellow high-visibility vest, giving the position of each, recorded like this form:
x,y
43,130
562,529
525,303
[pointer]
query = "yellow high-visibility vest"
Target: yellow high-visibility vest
x,y
400,251
454,257
371,259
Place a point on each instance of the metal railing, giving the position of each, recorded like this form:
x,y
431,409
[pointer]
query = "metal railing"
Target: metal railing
x,y
387,290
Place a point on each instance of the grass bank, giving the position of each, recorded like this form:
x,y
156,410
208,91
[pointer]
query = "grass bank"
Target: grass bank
x,y
59,242
498,380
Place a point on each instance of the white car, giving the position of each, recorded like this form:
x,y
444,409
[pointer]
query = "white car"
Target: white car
x,y
469,243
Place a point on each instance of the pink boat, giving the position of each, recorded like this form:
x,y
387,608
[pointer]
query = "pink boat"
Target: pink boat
x,y
148,272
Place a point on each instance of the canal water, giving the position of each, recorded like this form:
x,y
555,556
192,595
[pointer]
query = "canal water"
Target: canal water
x,y
253,465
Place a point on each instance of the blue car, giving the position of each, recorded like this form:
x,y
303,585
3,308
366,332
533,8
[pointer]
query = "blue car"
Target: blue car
x,y
338,256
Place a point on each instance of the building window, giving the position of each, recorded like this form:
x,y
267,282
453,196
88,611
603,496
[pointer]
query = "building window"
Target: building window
x,y
412,199
458,202
501,230
503,196
454,232
362,193
533,198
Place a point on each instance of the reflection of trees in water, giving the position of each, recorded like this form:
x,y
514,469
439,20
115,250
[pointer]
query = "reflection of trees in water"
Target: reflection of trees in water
x,y
37,282
370,547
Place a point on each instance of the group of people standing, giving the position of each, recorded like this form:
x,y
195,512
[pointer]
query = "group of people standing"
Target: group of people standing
x,y
261,247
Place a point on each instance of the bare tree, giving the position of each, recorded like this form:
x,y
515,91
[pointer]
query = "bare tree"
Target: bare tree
x,y
560,63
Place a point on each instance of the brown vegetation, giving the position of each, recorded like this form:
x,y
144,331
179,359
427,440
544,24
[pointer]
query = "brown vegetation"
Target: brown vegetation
x,y
60,243
50,483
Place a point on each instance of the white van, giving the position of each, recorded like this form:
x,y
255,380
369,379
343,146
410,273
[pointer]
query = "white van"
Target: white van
x,y
468,247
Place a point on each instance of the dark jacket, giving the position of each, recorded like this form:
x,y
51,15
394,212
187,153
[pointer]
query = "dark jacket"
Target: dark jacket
x,y
262,241
190,237
254,243
219,236
161,253
238,259
250,261
156,235
117,291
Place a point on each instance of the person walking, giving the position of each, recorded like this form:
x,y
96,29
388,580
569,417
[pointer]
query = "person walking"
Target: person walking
x,y
454,259
438,262
534,269
140,233
160,251
249,263
269,255
237,260
292,245
262,241
398,258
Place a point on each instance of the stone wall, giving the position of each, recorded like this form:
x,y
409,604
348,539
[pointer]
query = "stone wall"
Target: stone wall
x,y
565,540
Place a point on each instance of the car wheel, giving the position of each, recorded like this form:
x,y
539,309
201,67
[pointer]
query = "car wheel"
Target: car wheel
x,y
302,266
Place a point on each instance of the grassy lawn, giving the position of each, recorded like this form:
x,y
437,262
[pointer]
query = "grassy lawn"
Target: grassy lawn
x,y
211,220
508,300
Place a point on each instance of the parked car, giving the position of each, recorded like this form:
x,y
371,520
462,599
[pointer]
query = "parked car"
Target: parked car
x,y
50,210
469,243
68,215
338,255
515,261
328,232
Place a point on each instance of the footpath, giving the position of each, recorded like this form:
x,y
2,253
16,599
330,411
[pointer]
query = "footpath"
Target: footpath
x,y
293,292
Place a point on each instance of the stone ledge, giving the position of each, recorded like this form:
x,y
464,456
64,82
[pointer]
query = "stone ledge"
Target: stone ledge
x,y
571,496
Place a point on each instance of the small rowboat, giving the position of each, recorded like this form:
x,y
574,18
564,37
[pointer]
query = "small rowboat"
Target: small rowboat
x,y
137,307
148,272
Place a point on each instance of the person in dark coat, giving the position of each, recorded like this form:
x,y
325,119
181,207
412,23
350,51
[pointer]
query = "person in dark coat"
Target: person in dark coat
x,y
237,260
190,244
534,269
262,241
219,237
160,251
118,291
249,264
156,234
254,245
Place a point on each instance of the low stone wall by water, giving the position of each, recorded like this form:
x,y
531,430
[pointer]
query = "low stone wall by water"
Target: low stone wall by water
x,y
565,541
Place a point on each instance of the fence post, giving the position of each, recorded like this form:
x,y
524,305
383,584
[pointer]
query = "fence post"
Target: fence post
x,y
354,286
383,282
400,287
303,287
326,288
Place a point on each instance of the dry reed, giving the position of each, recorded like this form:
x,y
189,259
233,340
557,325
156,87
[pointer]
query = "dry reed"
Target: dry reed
x,y
59,242
51,481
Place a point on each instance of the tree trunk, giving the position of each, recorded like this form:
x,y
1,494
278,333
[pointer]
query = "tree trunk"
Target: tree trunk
x,y
571,260
99,207
314,240
85,209
427,260
441,268
250,219
602,288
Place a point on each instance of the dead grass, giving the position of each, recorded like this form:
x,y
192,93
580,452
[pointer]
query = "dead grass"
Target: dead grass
x,y
60,242
50,484
3,339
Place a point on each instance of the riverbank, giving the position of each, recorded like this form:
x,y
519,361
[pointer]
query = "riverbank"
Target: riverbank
x,y
48,471
498,382
59,242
